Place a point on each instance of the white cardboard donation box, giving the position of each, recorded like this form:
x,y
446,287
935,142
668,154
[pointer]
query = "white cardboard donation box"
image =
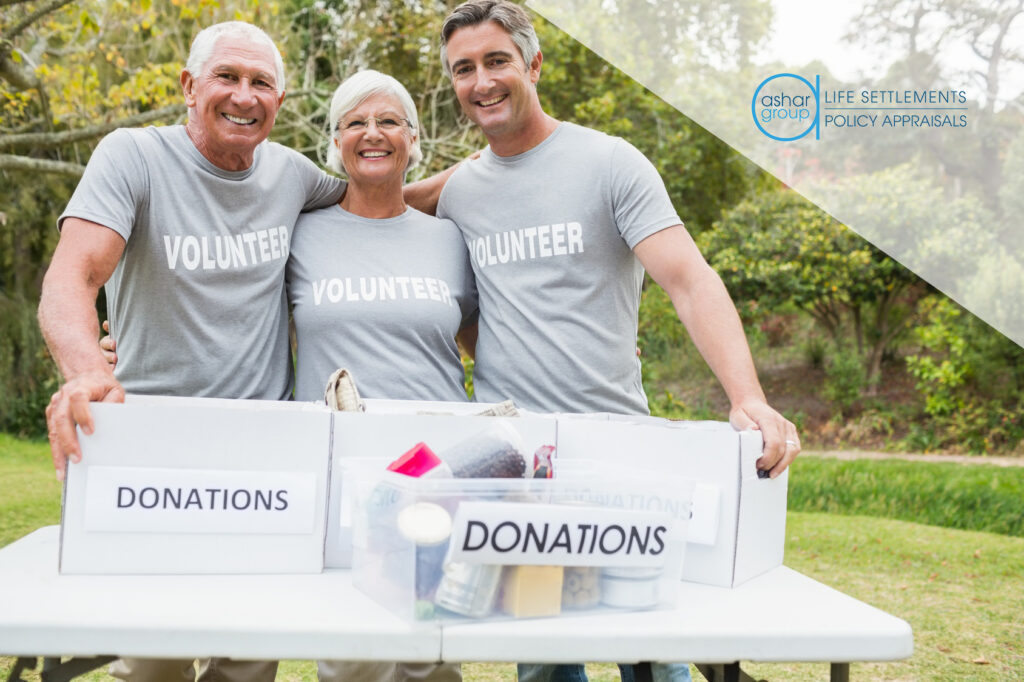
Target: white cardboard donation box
x,y
198,485
738,527
179,485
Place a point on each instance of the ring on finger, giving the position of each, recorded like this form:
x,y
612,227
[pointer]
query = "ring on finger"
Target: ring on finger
x,y
792,442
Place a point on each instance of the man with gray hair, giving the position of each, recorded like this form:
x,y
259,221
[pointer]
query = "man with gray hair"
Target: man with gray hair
x,y
188,227
561,222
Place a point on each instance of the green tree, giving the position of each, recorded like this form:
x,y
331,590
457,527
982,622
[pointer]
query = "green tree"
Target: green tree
x,y
332,39
970,377
777,248
70,73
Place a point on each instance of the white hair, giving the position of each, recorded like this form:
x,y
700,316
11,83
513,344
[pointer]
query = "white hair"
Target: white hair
x,y
357,89
206,40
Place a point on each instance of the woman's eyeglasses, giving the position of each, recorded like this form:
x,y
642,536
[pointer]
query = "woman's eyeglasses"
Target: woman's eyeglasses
x,y
386,122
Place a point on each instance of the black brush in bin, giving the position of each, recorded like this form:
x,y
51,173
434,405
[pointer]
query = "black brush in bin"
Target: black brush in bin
x,y
496,452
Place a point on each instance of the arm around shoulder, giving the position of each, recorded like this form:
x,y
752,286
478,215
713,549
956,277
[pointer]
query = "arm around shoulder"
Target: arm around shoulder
x,y
322,189
424,195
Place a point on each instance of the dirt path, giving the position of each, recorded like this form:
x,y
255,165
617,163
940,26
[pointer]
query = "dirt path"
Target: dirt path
x,y
961,459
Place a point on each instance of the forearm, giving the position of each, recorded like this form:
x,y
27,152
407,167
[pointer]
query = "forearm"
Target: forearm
x,y
711,319
707,312
67,317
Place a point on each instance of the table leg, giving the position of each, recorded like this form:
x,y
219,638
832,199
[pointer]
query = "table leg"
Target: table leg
x,y
642,672
56,670
839,672
723,672
21,664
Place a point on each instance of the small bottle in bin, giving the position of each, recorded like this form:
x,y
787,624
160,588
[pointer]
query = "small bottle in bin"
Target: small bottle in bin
x,y
428,526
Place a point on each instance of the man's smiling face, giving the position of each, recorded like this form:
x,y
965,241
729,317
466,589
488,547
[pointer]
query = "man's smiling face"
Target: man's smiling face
x,y
233,101
493,84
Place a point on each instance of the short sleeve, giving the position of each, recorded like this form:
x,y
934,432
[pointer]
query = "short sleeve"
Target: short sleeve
x,y
444,208
640,202
470,303
442,204
322,189
114,189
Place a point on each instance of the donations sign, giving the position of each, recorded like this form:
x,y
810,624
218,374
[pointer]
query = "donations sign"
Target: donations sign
x,y
136,499
560,535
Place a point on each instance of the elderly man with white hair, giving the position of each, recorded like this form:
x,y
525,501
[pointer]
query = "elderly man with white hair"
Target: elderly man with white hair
x,y
189,228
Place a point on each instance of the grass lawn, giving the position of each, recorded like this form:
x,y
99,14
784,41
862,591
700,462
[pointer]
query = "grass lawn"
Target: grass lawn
x,y
29,491
961,591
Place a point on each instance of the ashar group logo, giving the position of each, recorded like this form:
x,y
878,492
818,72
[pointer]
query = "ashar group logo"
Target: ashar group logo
x,y
787,107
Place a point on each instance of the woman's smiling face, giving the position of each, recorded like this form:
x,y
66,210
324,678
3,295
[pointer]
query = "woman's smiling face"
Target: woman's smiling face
x,y
375,141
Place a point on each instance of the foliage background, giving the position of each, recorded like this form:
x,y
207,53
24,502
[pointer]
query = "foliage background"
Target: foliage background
x,y
851,345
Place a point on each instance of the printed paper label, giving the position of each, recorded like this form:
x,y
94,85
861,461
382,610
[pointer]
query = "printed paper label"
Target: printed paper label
x,y
561,535
133,499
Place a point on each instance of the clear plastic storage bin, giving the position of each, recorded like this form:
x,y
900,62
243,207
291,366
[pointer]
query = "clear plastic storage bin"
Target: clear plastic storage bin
x,y
591,538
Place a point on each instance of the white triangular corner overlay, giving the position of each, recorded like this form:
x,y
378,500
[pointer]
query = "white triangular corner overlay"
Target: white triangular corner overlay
x,y
949,243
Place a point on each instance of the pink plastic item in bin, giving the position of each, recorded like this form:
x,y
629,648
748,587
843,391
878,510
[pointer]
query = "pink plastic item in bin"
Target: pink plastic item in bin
x,y
419,462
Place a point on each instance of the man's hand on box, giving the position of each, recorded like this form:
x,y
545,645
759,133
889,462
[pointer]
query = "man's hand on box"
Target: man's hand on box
x,y
109,347
70,406
781,442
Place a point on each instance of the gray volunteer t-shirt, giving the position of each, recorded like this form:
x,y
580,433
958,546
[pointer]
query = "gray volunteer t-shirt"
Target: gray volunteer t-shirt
x,y
383,298
550,234
197,302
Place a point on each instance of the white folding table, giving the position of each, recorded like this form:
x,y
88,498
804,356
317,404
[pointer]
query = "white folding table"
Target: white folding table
x,y
779,616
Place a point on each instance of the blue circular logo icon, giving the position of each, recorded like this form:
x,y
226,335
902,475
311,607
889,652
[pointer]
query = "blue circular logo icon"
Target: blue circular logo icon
x,y
786,107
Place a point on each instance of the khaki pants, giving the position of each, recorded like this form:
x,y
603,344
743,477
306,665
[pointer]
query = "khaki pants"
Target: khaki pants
x,y
374,671
183,670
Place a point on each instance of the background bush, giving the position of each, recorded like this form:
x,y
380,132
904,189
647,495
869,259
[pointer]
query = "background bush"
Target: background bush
x,y
27,375
969,497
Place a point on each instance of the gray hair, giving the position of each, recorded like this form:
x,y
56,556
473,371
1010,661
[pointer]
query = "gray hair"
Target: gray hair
x,y
510,16
206,40
355,90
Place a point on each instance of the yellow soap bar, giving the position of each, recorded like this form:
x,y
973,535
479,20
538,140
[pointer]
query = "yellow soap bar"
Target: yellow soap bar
x,y
531,591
